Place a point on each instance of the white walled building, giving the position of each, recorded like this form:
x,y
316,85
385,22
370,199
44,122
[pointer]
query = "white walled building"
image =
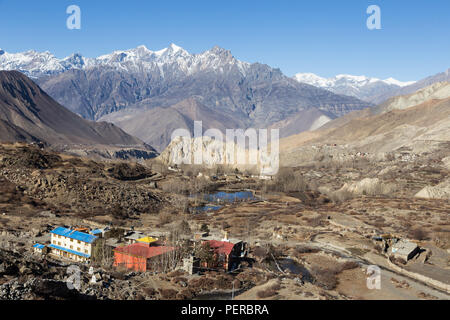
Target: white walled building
x,y
71,244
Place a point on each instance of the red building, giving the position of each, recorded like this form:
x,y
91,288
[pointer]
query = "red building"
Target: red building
x,y
225,253
137,256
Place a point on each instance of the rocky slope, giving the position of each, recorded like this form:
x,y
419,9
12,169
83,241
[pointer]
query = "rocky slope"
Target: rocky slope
x,y
409,89
399,124
436,91
70,185
440,191
28,114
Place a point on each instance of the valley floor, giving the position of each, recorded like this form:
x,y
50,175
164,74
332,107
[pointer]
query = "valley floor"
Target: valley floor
x,y
310,237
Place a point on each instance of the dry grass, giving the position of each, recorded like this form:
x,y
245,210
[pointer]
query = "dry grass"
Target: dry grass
x,y
327,277
269,292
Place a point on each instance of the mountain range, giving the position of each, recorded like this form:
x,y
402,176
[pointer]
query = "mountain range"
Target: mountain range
x,y
119,86
151,93
365,88
369,89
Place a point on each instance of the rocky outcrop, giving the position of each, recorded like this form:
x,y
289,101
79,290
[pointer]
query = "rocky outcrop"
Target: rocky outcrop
x,y
446,162
209,152
441,191
367,186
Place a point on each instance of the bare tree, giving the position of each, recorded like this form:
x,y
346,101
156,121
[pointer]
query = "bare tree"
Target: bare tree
x,y
102,255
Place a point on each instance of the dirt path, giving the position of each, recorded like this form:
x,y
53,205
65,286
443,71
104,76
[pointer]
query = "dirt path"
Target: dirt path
x,y
355,285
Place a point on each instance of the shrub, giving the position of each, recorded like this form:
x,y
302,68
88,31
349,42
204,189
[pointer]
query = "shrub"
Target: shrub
x,y
176,273
185,294
269,292
349,265
164,218
325,278
418,234
305,249
168,294
288,180
149,291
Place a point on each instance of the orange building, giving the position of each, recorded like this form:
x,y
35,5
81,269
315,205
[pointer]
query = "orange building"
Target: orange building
x,y
136,256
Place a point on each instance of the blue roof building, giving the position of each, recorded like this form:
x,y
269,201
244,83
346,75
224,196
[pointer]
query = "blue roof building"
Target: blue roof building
x,y
80,254
97,231
76,235
71,244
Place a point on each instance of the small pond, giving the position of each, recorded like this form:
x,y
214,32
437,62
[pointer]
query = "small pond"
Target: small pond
x,y
216,200
229,197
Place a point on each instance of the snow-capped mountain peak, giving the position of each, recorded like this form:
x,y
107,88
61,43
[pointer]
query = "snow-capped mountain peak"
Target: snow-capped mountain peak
x,y
398,83
362,87
174,48
36,64
358,81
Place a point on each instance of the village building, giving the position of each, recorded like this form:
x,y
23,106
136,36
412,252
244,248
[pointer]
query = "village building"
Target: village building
x,y
71,244
227,253
133,236
100,232
138,256
405,250
147,240
40,248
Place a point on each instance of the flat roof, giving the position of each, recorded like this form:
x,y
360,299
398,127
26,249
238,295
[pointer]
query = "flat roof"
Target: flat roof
x,y
72,234
39,246
135,235
404,247
143,250
147,240
96,231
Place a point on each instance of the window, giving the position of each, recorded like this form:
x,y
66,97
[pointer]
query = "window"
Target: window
x,y
59,243
78,249
85,251
79,242
71,247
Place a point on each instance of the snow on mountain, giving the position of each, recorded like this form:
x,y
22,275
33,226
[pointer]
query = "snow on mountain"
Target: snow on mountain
x,y
362,87
356,81
37,64
117,85
398,83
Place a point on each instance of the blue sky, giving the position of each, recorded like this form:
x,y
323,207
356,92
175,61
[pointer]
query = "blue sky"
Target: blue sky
x,y
327,37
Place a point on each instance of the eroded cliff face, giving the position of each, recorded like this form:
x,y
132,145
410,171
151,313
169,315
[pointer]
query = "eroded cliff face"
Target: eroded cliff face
x,y
210,152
